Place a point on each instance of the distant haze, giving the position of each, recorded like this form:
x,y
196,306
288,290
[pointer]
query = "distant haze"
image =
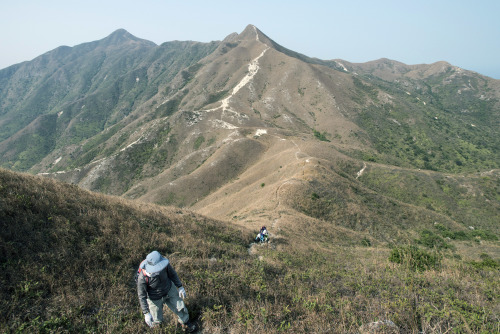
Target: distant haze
x,y
462,33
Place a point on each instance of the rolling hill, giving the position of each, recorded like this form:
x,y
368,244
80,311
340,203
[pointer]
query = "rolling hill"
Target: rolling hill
x,y
341,161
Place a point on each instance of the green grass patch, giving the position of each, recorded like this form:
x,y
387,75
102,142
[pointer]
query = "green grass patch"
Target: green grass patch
x,y
320,136
198,142
414,258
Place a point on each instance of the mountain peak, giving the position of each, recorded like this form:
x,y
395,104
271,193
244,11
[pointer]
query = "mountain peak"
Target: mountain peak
x,y
250,27
250,32
120,36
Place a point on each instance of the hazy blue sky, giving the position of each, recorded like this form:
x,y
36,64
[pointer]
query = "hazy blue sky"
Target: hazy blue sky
x,y
464,33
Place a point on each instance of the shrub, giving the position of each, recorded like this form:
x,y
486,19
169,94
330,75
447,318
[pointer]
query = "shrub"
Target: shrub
x,y
366,242
485,235
415,258
214,97
465,235
432,240
487,262
320,136
459,235
197,143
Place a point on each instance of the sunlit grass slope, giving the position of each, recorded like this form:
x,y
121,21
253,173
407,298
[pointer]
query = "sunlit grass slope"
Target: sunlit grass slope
x,y
68,258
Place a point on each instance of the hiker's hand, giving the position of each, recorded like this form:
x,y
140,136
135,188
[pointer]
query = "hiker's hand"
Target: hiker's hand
x,y
182,292
148,318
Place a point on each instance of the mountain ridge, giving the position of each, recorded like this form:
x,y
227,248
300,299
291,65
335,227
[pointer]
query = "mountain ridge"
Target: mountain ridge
x,y
200,124
379,184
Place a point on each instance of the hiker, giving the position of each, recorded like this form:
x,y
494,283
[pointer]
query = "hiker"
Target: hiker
x,y
263,236
158,284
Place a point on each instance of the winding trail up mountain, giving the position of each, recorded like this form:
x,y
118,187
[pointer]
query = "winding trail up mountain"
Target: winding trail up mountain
x,y
253,68
276,221
246,130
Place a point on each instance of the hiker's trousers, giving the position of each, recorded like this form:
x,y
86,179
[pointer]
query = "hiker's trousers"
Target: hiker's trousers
x,y
173,301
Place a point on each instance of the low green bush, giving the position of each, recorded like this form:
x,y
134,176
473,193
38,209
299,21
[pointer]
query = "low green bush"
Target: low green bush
x,y
486,262
415,258
432,240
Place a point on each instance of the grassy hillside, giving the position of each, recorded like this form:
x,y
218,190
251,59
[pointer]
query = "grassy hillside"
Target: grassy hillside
x,y
68,258
469,200
443,119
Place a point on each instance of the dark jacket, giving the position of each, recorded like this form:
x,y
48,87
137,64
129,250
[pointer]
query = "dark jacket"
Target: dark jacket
x,y
157,286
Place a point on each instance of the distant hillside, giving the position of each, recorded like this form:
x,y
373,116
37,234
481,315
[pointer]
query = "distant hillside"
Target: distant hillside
x,y
246,131
68,259
445,118
74,106
69,95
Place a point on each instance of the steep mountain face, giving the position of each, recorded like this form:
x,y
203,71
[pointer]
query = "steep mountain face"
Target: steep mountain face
x,y
245,130
68,95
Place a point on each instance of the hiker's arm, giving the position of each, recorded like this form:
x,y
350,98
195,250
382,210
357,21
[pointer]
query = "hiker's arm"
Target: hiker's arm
x,y
172,274
143,294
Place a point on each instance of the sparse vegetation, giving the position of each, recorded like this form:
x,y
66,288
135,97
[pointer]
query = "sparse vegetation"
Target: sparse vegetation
x,y
214,97
458,198
211,141
320,136
197,143
74,272
97,92
362,89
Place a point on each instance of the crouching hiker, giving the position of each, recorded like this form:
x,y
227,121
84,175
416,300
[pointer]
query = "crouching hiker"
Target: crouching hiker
x,y
263,235
158,284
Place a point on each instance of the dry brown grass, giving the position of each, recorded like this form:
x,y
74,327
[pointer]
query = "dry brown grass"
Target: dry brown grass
x,y
68,259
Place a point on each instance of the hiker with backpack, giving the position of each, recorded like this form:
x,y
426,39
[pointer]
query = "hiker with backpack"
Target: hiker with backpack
x,y
158,284
263,235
